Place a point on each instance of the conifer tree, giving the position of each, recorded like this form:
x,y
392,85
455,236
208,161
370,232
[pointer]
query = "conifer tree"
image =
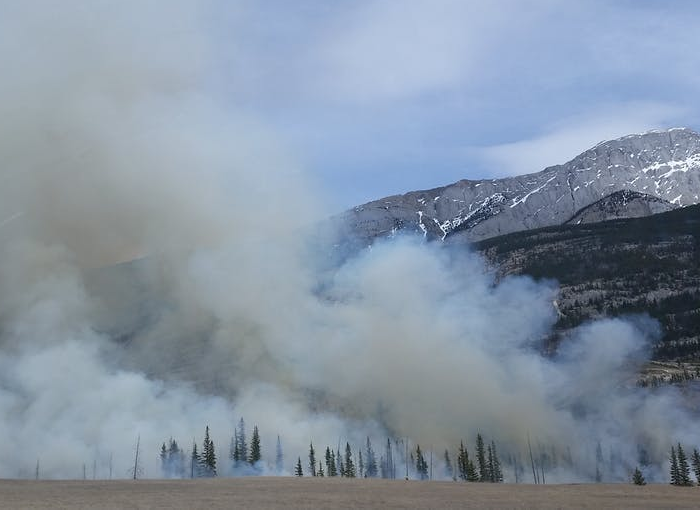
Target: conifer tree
x,y
371,470
360,464
320,469
472,473
462,461
489,464
172,461
312,460
255,451
481,459
421,464
696,464
638,477
683,468
675,478
330,462
334,465
298,471
241,440
279,457
164,460
495,465
194,462
349,464
448,466
233,449
208,458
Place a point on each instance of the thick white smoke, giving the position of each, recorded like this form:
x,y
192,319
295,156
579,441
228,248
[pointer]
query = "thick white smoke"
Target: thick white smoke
x,y
155,279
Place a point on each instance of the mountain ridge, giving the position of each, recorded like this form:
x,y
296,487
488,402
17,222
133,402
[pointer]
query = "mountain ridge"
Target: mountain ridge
x,y
661,164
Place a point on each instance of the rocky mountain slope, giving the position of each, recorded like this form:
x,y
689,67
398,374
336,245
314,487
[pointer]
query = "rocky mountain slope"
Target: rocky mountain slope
x,y
659,169
649,264
621,204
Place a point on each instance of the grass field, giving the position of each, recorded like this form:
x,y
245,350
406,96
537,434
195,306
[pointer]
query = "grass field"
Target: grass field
x,y
291,493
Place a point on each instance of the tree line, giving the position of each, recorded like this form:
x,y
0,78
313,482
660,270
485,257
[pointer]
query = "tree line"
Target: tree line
x,y
397,459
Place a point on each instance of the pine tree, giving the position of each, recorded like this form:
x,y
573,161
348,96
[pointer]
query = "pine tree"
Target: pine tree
x,y
481,459
194,462
696,464
462,461
164,460
334,465
339,463
448,466
675,478
371,459
472,473
320,469
421,464
279,458
360,464
495,465
255,452
174,463
330,462
638,477
489,465
349,464
233,449
242,444
298,471
683,468
208,458
312,460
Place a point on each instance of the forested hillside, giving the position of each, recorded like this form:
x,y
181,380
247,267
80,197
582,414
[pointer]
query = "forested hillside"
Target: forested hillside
x,y
649,264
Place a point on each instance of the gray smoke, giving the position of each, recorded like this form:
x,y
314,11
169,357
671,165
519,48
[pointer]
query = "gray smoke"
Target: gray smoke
x,y
155,279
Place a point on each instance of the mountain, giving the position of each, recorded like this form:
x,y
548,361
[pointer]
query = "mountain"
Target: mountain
x,y
639,265
658,171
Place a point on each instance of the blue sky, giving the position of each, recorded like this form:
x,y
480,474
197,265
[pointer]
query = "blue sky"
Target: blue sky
x,y
386,96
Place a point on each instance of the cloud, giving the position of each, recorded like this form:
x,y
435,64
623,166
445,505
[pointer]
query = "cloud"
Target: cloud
x,y
381,97
569,137
390,51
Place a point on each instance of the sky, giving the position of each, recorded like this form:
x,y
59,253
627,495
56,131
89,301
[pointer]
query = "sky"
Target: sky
x,y
377,97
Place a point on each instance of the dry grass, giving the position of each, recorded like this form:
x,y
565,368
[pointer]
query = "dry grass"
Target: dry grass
x,y
291,493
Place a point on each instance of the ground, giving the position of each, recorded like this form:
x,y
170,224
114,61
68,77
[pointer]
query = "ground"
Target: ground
x,y
291,493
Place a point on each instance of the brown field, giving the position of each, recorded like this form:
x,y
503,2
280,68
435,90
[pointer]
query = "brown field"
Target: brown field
x,y
291,493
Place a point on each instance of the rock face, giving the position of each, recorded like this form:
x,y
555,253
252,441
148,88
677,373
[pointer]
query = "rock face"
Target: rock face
x,y
661,167
621,204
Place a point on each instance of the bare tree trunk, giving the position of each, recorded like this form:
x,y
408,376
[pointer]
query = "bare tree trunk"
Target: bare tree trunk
x,y
136,458
532,460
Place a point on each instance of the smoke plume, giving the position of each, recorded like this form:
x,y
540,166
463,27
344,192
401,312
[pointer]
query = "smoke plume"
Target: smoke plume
x,y
158,275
